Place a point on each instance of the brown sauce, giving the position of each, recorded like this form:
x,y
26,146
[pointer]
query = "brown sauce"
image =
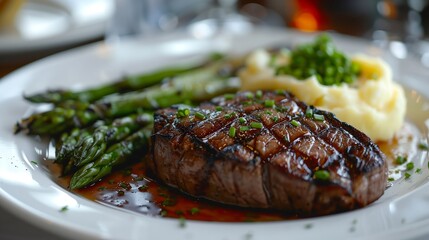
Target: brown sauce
x,y
131,188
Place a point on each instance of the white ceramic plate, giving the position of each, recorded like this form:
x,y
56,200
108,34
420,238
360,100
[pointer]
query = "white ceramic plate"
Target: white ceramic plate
x,y
43,24
27,189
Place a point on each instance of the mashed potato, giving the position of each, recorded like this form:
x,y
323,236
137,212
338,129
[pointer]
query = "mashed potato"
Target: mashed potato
x,y
374,104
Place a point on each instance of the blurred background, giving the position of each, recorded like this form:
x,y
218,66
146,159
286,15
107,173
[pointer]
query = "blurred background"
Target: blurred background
x,y
32,29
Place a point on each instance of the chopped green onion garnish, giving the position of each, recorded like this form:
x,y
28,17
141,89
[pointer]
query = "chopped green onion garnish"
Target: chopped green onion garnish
x,y
410,165
182,222
195,210
259,94
268,112
309,112
183,112
229,115
282,109
295,123
390,179
34,162
423,146
256,125
242,120
280,92
232,131
407,175
319,117
200,115
249,95
163,213
400,160
418,170
64,209
269,103
275,118
247,103
229,96
322,60
218,108
321,175
244,128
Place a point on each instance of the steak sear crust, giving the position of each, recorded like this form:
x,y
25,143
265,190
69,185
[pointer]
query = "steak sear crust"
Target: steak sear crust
x,y
272,160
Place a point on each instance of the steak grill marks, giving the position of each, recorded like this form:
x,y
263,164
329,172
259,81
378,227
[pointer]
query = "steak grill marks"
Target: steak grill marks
x,y
275,134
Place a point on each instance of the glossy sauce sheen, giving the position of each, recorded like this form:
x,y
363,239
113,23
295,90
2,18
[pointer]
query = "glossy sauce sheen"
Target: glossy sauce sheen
x,y
131,189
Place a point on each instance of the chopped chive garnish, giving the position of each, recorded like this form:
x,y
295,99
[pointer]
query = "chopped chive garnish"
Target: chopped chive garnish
x,y
242,120
282,109
418,170
163,213
295,123
183,112
256,125
275,118
400,160
268,112
410,166
309,112
195,210
407,175
229,115
319,117
247,103
423,146
249,95
64,209
280,92
390,179
218,108
182,222
321,175
228,96
232,131
121,193
244,128
34,162
200,115
269,103
259,94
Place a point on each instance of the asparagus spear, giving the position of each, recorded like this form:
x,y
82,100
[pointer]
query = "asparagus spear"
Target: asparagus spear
x,y
115,155
56,121
127,84
68,142
198,85
92,146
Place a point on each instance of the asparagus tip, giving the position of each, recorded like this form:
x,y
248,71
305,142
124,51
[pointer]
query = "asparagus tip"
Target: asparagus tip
x,y
18,127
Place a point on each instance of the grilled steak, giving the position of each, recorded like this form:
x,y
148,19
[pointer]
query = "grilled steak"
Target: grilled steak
x,y
267,150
